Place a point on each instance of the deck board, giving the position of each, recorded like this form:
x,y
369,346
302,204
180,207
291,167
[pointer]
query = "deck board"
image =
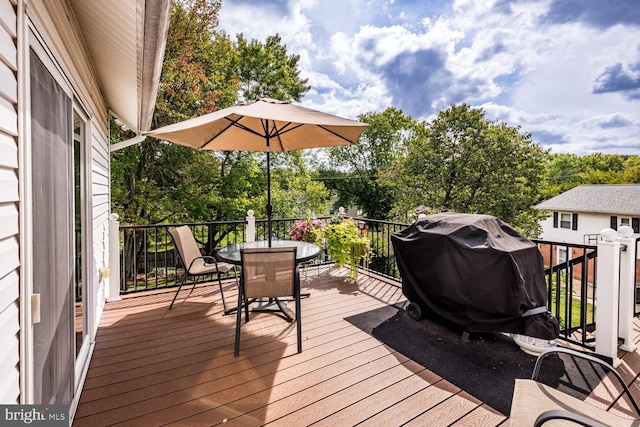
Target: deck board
x,y
153,366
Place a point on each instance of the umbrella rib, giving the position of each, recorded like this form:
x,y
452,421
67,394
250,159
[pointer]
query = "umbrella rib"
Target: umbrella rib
x,y
232,123
284,129
268,132
336,134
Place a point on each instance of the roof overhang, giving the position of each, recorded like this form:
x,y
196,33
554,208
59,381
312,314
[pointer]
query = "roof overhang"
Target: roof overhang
x,y
126,41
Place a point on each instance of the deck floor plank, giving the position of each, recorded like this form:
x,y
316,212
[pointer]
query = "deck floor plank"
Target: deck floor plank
x,y
152,366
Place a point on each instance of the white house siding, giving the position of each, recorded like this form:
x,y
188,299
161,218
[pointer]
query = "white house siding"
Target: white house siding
x,y
588,223
100,188
54,22
9,214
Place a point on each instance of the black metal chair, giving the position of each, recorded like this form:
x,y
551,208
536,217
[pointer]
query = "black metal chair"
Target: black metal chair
x,y
562,387
195,264
268,273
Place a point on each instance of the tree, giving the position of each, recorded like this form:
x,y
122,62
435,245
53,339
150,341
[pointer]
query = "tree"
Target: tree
x,y
466,163
197,75
632,170
367,160
562,172
601,168
565,171
203,70
153,181
266,70
603,162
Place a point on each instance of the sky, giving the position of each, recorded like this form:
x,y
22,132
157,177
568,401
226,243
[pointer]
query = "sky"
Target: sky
x,y
566,71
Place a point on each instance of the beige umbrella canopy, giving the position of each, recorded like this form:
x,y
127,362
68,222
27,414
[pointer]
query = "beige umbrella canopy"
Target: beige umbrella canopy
x,y
263,125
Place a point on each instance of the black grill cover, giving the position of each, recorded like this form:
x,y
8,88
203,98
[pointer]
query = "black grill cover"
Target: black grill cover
x,y
474,271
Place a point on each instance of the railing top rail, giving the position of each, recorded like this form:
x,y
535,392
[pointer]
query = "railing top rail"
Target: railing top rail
x,y
573,245
293,218
379,221
242,221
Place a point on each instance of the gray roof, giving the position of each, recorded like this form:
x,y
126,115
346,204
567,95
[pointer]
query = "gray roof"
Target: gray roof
x,y
603,198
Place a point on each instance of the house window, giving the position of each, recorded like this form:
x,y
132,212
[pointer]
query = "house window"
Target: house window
x,y
625,221
565,220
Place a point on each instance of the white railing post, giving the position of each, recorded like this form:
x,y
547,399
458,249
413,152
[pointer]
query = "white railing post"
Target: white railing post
x,y
607,291
627,288
114,259
251,226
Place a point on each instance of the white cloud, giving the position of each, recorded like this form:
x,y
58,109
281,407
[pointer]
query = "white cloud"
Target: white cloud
x,y
510,57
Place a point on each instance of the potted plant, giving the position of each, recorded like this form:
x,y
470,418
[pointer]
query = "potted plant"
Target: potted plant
x,y
345,244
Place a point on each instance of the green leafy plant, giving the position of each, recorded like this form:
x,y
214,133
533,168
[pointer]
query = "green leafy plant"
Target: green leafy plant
x,y
346,245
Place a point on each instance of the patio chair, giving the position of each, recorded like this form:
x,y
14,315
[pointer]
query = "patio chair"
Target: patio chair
x,y
575,388
268,273
195,264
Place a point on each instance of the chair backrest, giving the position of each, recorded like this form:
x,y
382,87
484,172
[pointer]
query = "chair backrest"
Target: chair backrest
x,y
185,244
268,272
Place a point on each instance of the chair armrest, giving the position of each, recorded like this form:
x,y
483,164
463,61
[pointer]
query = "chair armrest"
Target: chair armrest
x,y
558,414
206,259
552,350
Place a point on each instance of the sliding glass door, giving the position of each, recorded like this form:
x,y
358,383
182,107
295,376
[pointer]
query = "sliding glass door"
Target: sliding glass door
x,y
53,235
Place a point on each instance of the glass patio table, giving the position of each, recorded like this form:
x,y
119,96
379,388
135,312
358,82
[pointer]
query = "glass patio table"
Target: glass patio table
x,y
305,251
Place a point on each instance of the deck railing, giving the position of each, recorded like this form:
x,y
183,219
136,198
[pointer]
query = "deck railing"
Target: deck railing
x,y
148,260
593,239
381,260
570,275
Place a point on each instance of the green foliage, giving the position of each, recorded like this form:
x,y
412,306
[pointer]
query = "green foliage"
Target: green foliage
x,y
375,152
565,171
463,162
345,244
266,70
203,70
459,161
195,78
562,172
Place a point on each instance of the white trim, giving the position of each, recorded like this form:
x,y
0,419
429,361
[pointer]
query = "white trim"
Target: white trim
x,y
87,310
126,143
83,358
38,44
25,214
30,38
76,396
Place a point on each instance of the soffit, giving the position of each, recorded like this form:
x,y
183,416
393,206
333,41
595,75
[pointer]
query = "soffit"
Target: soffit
x,y
126,40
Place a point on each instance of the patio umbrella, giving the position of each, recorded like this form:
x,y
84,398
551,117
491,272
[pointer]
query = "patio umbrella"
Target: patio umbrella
x,y
262,125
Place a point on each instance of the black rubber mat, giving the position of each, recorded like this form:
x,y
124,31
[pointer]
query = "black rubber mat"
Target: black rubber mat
x,y
485,366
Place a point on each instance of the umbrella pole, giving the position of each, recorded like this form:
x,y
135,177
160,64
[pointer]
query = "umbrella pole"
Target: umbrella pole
x,y
269,207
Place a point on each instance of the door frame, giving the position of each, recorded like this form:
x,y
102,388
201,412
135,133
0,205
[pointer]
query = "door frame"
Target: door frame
x,y
29,37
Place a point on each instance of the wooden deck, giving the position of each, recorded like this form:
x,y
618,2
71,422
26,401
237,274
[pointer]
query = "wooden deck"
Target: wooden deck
x,y
152,366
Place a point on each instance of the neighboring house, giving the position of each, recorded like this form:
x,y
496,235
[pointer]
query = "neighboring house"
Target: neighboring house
x,y
580,214
64,65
